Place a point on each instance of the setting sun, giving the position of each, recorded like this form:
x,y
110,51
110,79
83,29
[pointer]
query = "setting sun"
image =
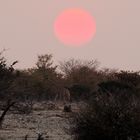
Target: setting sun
x,y
75,27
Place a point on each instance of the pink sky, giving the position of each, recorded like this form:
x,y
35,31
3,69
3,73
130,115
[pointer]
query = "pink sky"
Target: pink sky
x,y
26,29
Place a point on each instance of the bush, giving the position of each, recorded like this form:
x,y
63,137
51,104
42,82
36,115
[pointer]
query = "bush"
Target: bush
x,y
67,108
109,118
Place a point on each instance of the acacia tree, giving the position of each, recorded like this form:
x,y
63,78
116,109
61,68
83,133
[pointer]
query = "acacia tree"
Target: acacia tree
x,y
38,83
70,65
81,77
46,77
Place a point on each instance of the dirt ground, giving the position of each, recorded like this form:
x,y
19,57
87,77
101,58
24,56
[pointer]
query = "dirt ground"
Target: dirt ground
x,y
53,124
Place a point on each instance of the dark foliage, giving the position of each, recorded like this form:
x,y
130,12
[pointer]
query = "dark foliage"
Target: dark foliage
x,y
109,118
113,110
7,75
114,113
80,92
67,108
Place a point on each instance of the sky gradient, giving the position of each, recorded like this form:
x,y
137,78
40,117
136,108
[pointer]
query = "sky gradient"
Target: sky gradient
x,y
26,30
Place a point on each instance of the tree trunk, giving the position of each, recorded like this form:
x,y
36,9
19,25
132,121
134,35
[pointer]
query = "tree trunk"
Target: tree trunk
x,y
9,105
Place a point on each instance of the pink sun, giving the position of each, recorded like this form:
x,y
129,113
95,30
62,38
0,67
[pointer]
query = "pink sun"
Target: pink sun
x,y
75,27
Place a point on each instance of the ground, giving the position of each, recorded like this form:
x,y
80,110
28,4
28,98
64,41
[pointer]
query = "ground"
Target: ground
x,y
53,124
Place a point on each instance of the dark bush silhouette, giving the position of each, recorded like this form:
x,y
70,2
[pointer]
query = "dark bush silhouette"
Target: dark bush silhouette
x,y
114,112
67,108
7,75
114,117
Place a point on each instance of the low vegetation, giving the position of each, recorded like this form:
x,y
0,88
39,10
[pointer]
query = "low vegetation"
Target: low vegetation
x,y
111,98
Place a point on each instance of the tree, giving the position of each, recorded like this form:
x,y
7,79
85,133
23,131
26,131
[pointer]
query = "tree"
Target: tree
x,y
7,108
46,78
45,62
66,67
124,82
81,77
7,75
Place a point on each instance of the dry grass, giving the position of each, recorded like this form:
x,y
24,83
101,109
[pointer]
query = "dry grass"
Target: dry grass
x,y
52,123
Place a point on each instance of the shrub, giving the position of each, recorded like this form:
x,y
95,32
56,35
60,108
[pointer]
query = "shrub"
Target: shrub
x,y
109,118
67,108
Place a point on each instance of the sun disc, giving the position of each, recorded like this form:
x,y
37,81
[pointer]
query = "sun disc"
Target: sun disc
x,y
75,27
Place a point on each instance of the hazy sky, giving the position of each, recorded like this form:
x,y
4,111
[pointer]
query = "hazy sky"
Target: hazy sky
x,y
26,29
